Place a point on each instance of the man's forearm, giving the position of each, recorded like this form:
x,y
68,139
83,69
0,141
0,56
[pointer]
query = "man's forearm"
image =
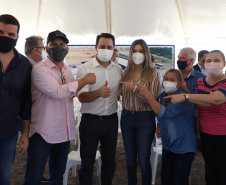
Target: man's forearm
x,y
26,126
87,97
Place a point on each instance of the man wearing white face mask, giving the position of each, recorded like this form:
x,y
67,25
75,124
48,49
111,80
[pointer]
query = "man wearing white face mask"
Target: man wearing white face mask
x,y
99,111
34,49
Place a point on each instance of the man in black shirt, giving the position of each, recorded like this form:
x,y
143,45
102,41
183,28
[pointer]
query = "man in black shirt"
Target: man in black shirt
x,y
15,95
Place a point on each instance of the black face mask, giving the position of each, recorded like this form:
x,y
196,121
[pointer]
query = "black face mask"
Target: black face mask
x,y
7,44
203,61
182,64
57,54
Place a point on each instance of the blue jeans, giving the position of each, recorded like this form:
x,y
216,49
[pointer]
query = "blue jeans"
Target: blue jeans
x,y
7,153
38,152
138,129
176,168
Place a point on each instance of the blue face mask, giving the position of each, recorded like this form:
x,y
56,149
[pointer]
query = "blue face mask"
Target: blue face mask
x,y
7,44
57,54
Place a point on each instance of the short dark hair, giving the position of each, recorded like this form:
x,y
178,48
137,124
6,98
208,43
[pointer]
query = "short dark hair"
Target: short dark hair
x,y
115,50
31,43
177,73
220,52
201,53
105,35
9,19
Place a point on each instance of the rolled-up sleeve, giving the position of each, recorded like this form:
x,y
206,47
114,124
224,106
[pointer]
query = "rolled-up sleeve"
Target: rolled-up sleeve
x,y
80,74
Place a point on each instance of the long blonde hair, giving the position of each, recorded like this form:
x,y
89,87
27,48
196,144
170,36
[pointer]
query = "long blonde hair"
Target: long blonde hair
x,y
147,70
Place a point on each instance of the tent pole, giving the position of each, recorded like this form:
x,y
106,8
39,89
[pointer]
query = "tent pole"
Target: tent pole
x,y
37,16
108,11
182,19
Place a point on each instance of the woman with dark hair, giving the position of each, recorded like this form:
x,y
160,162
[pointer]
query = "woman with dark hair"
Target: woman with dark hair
x,y
138,119
211,103
176,128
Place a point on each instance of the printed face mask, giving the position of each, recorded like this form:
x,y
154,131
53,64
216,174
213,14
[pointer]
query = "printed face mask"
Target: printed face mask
x,y
170,87
7,44
138,58
182,64
104,54
214,68
57,54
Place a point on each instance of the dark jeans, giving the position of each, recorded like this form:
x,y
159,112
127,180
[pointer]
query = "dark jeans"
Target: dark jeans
x,y
92,130
138,129
214,154
38,152
7,153
176,167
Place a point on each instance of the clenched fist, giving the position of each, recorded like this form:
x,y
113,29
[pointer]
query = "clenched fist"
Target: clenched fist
x,y
90,78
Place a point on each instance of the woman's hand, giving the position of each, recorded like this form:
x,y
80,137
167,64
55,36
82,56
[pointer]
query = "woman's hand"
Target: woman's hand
x,y
127,86
143,91
176,98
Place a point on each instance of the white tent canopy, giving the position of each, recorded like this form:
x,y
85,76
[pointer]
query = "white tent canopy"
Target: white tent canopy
x,y
197,23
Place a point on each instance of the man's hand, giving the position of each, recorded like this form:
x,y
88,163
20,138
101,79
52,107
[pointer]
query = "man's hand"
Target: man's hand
x,y
127,86
105,91
158,132
90,78
24,142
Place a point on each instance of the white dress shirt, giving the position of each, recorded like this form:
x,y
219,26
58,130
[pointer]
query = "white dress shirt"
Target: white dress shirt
x,y
113,74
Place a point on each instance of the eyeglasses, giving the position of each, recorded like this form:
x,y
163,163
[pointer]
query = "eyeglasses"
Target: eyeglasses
x,y
64,81
41,47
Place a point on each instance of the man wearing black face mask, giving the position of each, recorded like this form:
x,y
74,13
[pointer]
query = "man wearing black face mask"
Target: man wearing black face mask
x,y
15,95
201,60
52,122
185,62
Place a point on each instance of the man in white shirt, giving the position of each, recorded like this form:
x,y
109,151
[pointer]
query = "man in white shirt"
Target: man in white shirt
x,y
99,111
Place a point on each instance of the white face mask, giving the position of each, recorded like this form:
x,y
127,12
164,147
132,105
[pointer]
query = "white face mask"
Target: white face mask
x,y
170,87
104,54
43,54
138,58
214,68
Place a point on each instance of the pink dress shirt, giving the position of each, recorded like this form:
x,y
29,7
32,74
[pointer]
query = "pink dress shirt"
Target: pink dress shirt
x,y
52,102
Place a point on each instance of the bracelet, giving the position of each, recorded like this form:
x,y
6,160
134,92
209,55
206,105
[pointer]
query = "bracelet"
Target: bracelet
x,y
186,97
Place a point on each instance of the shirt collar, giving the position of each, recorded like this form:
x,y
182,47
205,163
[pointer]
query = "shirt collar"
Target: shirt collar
x,y
200,66
50,64
192,73
96,63
17,55
31,61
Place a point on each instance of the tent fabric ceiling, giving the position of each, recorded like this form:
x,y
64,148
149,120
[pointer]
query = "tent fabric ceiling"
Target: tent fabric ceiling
x,y
155,19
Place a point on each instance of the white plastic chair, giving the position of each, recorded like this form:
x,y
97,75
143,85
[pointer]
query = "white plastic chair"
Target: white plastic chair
x,y
156,157
74,158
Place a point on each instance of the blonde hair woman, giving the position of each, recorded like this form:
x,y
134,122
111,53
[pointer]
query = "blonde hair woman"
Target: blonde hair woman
x,y
138,119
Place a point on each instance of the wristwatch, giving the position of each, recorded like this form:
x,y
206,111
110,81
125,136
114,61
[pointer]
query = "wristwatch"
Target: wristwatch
x,y
186,97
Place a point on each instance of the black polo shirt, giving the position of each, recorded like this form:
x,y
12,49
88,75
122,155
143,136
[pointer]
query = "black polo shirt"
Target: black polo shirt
x,y
15,95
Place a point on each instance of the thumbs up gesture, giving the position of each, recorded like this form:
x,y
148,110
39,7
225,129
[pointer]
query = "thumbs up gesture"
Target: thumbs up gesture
x,y
105,91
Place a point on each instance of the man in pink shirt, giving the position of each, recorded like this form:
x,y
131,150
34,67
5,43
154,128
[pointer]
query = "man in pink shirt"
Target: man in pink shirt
x,y
52,121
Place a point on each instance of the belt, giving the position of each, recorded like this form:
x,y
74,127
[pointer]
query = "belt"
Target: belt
x,y
100,117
